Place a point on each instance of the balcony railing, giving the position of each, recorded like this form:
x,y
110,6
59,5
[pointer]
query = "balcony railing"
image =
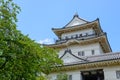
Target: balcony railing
x,y
79,37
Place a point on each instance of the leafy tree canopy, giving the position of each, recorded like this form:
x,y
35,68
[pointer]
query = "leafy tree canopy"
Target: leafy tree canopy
x,y
20,57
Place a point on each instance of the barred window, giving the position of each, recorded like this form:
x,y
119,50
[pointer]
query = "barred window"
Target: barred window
x,y
81,53
118,74
93,52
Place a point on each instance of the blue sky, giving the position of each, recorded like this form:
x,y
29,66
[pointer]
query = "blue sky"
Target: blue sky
x,y
39,16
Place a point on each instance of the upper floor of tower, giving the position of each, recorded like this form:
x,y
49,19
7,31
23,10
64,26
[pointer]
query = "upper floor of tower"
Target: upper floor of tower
x,y
78,27
81,32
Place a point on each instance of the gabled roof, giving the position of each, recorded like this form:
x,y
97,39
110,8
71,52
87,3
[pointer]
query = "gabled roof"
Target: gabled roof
x,y
70,28
68,57
76,21
96,61
87,59
98,58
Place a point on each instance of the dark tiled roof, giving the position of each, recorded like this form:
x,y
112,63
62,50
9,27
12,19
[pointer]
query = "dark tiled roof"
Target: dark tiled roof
x,y
97,58
106,56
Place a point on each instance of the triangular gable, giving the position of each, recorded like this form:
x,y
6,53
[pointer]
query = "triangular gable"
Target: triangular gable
x,y
76,21
68,57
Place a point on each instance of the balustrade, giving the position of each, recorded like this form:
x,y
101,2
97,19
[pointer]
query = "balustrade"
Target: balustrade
x,y
79,37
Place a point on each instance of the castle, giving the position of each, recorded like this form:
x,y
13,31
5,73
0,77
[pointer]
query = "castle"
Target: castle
x,y
85,50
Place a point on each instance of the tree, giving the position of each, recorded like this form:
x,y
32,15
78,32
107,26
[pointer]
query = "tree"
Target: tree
x,y
20,57
62,76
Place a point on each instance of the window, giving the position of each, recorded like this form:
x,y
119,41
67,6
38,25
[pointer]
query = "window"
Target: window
x,y
66,37
76,35
93,52
118,74
86,34
80,35
70,77
81,53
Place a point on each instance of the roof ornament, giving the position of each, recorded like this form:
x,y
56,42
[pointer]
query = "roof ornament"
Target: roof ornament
x,y
76,15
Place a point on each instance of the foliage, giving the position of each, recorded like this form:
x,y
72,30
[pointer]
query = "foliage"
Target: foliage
x,y
20,57
62,76
41,78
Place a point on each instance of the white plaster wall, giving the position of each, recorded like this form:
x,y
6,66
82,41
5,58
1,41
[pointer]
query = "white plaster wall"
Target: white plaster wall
x,y
69,59
110,73
86,48
83,32
101,51
76,21
75,75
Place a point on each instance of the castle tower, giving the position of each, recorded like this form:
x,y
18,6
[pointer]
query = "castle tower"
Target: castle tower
x,y
83,38
84,49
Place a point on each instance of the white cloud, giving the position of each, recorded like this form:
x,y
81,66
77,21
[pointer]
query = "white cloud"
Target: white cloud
x,y
45,41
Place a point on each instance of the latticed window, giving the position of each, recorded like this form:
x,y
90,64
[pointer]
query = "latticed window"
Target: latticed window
x,y
93,52
81,53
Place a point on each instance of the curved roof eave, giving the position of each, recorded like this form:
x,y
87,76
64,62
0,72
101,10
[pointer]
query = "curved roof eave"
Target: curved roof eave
x,y
57,30
64,28
74,41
